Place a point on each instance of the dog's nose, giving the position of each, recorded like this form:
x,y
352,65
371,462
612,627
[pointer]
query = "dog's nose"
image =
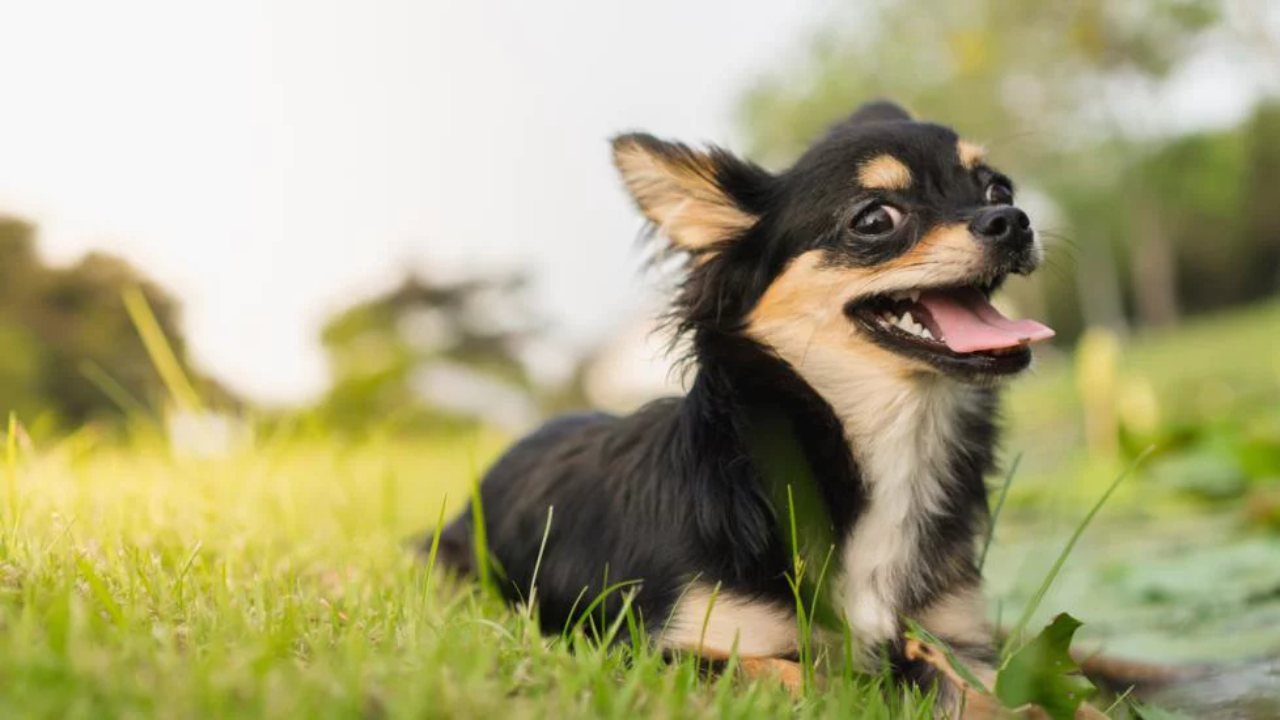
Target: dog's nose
x,y
1005,226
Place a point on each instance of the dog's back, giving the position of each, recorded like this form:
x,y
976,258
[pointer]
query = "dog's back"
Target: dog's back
x,y
608,495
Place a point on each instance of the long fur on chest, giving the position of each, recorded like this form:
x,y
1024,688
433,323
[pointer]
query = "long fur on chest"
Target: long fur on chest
x,y
922,446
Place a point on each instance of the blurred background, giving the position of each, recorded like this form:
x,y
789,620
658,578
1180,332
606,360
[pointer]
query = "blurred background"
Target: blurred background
x,y
401,218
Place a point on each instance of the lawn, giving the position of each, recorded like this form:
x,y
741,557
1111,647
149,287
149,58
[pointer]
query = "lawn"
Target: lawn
x,y
276,582
274,579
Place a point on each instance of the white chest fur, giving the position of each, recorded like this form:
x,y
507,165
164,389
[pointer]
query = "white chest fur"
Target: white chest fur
x,y
902,433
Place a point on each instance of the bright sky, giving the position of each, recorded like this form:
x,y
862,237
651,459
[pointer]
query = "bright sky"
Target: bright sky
x,y
270,162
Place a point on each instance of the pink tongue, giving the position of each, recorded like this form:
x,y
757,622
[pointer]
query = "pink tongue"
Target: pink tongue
x,y
969,323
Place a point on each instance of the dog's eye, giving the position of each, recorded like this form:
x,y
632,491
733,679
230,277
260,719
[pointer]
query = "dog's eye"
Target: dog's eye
x,y
877,219
999,193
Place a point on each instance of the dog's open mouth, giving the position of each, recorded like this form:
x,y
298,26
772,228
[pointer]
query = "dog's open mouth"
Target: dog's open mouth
x,y
956,329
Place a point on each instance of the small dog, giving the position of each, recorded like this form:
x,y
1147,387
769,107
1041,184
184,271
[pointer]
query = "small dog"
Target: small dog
x,y
842,336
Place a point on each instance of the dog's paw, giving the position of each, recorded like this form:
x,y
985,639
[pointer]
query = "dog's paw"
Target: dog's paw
x,y
788,673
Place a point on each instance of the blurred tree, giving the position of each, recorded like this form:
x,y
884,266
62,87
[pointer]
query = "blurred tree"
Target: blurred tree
x,y
1058,93
65,333
432,353
1261,211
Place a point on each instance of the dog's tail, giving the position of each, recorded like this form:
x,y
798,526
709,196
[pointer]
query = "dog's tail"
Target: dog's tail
x,y
455,551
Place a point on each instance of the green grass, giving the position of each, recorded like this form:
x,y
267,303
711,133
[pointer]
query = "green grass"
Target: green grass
x,y
275,582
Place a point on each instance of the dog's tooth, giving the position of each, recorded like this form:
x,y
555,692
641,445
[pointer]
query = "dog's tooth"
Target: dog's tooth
x,y
910,321
915,296
926,334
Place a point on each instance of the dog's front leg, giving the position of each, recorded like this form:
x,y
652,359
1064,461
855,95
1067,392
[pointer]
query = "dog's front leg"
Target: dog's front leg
x,y
717,624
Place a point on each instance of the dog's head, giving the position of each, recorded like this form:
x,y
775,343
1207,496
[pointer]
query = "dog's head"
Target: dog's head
x,y
883,243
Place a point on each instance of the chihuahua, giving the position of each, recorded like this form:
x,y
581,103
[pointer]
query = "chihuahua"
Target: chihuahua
x,y
844,348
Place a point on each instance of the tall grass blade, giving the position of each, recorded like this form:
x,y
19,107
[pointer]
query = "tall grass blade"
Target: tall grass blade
x,y
160,351
599,602
118,394
706,619
480,540
435,542
537,563
1015,634
995,514
11,469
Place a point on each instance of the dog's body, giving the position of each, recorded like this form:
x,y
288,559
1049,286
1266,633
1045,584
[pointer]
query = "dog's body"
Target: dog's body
x,y
794,308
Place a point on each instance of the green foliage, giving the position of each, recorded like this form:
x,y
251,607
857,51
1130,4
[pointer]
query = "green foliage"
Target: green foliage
x,y
66,332
1000,70
378,349
1042,673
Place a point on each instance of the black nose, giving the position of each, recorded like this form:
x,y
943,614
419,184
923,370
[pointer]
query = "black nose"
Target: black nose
x,y
1005,226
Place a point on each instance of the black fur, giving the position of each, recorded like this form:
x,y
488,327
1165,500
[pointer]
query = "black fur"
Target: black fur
x,y
663,495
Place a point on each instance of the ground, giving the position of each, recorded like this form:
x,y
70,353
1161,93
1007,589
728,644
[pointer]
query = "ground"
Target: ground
x,y
275,581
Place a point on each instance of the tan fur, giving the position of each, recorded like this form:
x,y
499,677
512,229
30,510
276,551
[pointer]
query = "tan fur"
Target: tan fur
x,y
752,628
884,172
944,245
971,155
682,200
787,673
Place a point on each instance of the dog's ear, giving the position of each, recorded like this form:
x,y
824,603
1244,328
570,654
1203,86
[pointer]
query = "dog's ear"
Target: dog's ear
x,y
697,199
879,111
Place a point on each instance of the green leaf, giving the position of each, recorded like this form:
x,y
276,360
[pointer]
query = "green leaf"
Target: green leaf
x,y
1042,673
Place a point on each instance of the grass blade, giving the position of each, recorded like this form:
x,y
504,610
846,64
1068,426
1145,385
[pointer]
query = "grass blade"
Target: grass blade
x,y
11,470
435,542
995,514
480,541
1015,634
160,351
537,563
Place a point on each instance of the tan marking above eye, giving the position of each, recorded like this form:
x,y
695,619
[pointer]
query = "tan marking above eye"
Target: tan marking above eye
x,y
970,154
884,172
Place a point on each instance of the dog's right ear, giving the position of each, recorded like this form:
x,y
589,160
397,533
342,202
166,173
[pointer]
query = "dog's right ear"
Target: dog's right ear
x,y
697,199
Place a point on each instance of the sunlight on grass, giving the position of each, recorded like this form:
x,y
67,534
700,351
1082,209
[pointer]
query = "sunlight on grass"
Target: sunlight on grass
x,y
277,581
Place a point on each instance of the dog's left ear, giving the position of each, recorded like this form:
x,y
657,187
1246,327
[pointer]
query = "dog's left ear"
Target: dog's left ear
x,y
698,199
